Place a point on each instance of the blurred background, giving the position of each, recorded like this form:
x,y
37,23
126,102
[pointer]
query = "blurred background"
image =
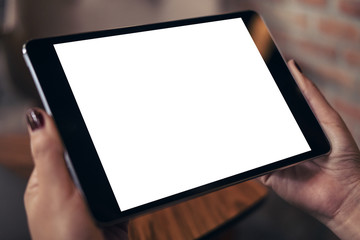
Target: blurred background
x,y
322,35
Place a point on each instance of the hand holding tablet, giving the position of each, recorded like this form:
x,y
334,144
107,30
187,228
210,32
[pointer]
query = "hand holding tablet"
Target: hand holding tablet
x,y
181,98
344,161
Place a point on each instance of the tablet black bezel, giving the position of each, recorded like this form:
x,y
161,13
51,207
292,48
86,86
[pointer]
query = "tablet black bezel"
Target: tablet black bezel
x,y
57,95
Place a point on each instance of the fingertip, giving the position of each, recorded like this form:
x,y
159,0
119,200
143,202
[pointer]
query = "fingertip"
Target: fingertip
x,y
35,119
46,148
40,123
298,68
43,135
301,80
295,69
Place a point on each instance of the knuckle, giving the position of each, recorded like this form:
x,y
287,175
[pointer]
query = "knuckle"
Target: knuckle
x,y
43,147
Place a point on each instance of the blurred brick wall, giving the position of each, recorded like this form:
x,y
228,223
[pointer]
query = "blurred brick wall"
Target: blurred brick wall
x,y
323,36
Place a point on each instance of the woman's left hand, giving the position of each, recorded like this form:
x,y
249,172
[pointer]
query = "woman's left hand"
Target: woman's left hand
x,y
54,206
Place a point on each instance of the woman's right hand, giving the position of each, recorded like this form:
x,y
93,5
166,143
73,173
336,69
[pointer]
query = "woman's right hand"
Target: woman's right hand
x,y
329,186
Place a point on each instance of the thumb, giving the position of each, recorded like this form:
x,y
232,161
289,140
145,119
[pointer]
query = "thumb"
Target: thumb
x,y
47,152
329,119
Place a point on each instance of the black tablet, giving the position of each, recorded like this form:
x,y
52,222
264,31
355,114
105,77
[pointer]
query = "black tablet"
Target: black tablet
x,y
156,114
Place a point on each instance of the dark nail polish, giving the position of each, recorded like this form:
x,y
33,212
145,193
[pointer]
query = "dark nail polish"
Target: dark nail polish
x,y
34,119
298,67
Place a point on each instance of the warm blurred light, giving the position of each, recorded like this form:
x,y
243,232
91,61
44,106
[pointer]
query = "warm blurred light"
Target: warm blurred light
x,y
261,37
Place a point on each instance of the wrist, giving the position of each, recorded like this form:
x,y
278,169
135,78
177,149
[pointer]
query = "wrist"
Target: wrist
x,y
346,222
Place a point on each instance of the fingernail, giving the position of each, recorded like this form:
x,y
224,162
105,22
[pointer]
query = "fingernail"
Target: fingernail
x,y
34,119
297,66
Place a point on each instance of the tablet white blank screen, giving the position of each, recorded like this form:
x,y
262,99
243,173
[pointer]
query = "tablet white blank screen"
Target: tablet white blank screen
x,y
173,109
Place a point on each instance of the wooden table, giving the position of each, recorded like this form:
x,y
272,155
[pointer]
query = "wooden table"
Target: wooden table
x,y
188,220
197,217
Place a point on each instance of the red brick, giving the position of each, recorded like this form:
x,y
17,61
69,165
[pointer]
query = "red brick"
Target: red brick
x,y
337,75
347,108
244,5
281,37
332,74
352,123
339,29
314,2
352,57
350,7
292,20
315,49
